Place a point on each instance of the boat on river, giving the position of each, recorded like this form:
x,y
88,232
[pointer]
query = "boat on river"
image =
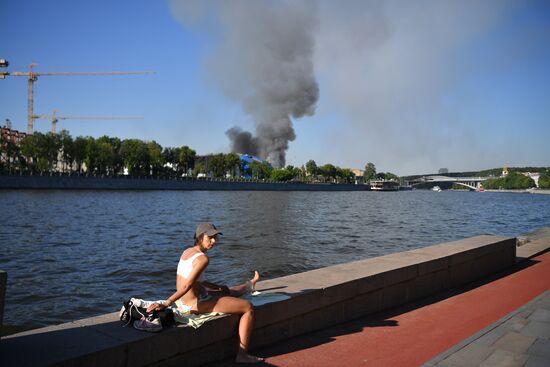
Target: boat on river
x,y
436,189
384,185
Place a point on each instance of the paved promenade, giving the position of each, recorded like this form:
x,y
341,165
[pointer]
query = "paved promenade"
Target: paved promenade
x,y
519,339
502,321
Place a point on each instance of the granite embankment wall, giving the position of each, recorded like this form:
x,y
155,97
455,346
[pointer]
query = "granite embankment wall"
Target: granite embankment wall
x,y
3,284
317,299
130,183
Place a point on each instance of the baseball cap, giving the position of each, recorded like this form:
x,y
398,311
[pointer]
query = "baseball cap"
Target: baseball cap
x,y
207,228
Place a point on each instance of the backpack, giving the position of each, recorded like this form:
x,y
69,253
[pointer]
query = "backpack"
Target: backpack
x,y
131,312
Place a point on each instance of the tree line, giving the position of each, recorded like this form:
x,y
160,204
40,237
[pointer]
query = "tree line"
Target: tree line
x,y
42,153
371,174
518,181
544,179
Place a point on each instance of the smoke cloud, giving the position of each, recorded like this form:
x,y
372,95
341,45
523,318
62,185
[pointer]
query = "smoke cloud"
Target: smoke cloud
x,y
396,71
400,79
242,141
265,62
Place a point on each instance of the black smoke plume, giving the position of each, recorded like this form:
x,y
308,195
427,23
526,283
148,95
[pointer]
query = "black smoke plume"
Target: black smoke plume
x,y
242,141
265,62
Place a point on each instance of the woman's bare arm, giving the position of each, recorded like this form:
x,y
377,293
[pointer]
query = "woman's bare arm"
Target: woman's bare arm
x,y
200,263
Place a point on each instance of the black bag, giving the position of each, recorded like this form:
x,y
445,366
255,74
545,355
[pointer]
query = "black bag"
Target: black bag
x,y
130,313
166,316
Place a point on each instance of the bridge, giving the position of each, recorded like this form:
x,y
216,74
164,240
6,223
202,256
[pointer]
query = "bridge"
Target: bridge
x,y
473,183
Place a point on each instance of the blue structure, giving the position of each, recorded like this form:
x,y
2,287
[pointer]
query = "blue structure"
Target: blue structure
x,y
246,160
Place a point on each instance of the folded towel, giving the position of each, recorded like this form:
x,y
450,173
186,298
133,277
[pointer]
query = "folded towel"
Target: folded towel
x,y
181,315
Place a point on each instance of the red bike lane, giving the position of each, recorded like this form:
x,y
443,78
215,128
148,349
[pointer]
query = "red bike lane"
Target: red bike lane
x,y
413,334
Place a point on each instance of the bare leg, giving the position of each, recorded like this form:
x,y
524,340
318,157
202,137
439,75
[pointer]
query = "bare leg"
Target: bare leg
x,y
237,306
255,279
249,286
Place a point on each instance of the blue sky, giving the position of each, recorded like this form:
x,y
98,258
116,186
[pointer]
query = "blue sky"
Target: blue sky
x,y
410,86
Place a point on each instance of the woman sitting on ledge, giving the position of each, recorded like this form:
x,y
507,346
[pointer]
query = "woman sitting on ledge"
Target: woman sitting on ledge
x,y
197,296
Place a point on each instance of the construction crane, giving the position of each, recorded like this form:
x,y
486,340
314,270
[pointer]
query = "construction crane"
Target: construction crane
x,y
33,77
54,118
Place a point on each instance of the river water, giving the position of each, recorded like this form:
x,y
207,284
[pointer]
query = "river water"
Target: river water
x,y
75,254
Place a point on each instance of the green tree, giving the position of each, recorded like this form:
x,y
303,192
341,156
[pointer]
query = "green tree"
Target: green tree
x,y
171,157
311,168
302,173
387,176
370,172
117,164
297,172
187,158
29,149
91,159
544,180
513,181
42,150
282,174
347,175
109,161
328,171
392,176
232,163
260,170
198,169
519,181
493,183
216,165
52,149
10,154
67,149
293,172
79,152
135,155
155,157
105,157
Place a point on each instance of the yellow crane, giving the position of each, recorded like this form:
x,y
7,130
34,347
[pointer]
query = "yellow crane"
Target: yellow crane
x,y
32,77
54,118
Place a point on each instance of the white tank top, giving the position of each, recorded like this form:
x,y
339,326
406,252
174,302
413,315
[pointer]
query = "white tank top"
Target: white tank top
x,y
185,266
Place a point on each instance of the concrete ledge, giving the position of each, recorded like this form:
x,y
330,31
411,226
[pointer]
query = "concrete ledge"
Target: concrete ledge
x,y
318,298
533,244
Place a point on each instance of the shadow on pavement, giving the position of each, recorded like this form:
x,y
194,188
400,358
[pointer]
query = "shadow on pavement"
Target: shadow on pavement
x,y
381,319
